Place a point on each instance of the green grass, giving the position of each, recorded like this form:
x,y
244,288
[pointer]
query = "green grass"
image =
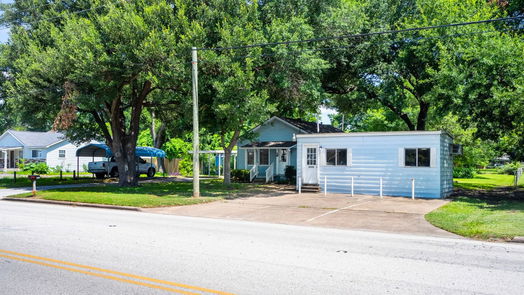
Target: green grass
x,y
485,181
478,218
147,195
23,181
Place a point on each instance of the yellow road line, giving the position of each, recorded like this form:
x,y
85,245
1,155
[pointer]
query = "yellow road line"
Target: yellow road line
x,y
99,275
114,272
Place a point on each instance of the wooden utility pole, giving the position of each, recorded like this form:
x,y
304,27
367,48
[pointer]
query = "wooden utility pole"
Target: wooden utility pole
x,y
196,167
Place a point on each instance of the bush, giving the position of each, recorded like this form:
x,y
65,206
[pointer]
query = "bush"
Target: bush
x,y
291,174
510,168
185,167
38,168
240,175
464,172
57,169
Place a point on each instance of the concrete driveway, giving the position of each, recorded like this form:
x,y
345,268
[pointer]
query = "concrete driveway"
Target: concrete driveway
x,y
390,214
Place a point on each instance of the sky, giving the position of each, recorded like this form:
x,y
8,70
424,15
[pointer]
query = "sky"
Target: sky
x,y
4,33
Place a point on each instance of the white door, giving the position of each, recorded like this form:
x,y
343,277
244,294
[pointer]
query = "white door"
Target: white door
x,y
310,163
282,161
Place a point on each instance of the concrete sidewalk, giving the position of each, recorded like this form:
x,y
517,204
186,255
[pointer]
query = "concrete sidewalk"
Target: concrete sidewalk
x,y
390,214
6,192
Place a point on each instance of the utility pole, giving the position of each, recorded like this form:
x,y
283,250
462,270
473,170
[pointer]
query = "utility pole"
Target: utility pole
x,y
196,166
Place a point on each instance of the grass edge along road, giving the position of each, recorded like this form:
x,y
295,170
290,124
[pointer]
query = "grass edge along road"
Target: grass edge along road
x,y
147,195
485,207
100,272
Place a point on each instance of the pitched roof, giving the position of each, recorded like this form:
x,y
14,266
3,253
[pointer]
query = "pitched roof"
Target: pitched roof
x,y
311,127
270,144
37,139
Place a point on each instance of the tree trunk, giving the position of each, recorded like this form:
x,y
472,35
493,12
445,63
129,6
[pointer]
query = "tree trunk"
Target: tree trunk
x,y
227,155
124,152
422,115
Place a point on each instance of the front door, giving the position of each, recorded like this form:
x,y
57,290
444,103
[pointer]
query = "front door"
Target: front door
x,y
282,161
12,159
310,164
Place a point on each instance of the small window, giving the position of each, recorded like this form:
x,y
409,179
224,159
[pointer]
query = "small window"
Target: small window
x,y
311,154
36,154
251,157
417,157
61,153
336,157
283,156
264,157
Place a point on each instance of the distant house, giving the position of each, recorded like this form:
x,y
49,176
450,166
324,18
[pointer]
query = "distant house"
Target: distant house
x,y
274,146
327,159
50,147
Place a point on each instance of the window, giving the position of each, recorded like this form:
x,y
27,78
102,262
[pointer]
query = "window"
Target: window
x,y
283,156
311,154
336,157
36,153
61,153
417,157
264,157
251,157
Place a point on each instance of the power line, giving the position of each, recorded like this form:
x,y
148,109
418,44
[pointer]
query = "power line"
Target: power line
x,y
361,35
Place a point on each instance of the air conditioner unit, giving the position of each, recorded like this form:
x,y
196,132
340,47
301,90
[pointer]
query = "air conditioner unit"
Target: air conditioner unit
x,y
455,149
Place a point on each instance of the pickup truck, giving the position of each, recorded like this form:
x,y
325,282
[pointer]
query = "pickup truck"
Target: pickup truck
x,y
110,168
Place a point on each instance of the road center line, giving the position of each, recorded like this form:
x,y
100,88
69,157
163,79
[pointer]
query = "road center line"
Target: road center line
x,y
111,272
336,210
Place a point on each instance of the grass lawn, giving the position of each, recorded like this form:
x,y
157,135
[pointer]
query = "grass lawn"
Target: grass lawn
x,y
148,194
479,218
485,181
23,181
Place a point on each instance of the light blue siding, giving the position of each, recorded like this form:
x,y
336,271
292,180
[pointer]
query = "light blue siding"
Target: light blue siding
x,y
9,141
373,157
446,166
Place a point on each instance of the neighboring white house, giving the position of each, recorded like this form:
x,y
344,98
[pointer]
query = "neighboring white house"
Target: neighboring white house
x,y
35,147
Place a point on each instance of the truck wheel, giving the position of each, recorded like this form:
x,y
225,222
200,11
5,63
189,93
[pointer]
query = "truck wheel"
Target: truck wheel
x,y
100,175
151,172
114,172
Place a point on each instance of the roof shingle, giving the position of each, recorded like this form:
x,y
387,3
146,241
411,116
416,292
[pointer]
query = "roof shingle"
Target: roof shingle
x,y
311,127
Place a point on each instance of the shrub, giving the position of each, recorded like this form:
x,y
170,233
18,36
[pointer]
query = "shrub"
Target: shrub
x,y
291,174
38,168
57,169
464,172
240,175
185,167
510,168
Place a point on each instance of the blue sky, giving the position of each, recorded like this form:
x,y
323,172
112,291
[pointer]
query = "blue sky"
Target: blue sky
x,y
4,33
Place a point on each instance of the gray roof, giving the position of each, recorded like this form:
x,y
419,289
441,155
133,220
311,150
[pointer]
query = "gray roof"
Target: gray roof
x,y
270,144
37,139
311,127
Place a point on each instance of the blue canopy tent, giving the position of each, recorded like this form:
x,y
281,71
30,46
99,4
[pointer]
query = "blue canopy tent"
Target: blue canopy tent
x,y
102,150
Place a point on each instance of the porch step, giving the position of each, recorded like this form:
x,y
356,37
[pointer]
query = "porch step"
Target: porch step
x,y
259,180
310,188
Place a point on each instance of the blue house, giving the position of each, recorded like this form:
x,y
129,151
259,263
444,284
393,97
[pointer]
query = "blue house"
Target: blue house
x,y
274,146
403,163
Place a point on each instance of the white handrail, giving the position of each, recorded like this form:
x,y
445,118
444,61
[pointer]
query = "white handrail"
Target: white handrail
x,y
269,173
253,172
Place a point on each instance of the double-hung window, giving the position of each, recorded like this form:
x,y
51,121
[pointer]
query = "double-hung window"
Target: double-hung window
x,y
336,157
417,157
250,157
36,154
264,157
61,153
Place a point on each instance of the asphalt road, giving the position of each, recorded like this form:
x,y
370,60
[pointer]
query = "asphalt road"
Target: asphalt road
x,y
50,249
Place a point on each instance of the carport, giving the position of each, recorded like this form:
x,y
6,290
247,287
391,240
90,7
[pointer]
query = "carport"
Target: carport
x,y
102,150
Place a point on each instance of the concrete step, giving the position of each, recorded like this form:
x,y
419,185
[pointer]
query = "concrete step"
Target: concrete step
x,y
310,188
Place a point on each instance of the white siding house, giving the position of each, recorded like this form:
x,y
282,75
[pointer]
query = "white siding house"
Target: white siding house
x,y
34,147
335,161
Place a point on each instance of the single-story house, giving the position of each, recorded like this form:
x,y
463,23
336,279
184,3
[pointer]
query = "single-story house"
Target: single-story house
x,y
388,163
274,146
50,147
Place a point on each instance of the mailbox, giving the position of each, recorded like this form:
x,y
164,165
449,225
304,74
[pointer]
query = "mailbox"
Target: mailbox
x,y
33,177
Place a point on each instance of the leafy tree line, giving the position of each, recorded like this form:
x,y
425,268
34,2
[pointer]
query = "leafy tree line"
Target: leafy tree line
x,y
109,70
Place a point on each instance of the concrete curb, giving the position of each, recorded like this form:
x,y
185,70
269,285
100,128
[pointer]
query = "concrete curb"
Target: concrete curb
x,y
74,204
517,240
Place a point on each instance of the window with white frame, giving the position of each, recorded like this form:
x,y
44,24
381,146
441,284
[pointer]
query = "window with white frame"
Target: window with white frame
x,y
311,154
264,157
36,154
250,157
61,153
336,157
417,157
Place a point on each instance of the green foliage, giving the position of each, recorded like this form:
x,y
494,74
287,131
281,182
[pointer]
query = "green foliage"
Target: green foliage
x,y
240,175
177,148
464,172
291,174
57,169
37,168
185,167
510,168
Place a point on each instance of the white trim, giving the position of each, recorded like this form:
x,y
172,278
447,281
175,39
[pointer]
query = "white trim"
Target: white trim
x,y
357,134
266,148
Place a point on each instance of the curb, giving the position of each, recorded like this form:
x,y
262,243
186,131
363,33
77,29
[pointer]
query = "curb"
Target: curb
x,y
517,240
74,204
